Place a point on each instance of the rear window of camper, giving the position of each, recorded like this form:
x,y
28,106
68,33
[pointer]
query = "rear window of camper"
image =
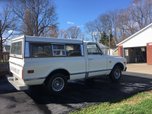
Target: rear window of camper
x,y
16,48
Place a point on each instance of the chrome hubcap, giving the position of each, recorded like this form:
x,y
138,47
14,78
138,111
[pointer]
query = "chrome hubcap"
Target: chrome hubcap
x,y
117,73
58,84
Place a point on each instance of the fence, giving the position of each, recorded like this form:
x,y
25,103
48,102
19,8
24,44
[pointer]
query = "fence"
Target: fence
x,y
4,66
4,57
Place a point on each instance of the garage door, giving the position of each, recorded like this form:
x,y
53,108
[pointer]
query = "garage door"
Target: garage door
x,y
135,54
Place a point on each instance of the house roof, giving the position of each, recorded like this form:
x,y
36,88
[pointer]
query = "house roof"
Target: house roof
x,y
130,37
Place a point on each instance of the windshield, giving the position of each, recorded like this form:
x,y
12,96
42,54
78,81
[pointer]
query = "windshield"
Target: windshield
x,y
16,48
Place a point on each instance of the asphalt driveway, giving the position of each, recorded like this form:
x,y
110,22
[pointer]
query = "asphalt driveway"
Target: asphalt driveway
x,y
76,96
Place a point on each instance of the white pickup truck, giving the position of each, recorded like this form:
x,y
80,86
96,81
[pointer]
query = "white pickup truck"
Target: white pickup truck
x,y
52,62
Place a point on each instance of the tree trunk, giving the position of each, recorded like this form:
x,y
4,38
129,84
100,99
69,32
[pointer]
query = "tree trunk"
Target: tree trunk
x,y
1,47
1,41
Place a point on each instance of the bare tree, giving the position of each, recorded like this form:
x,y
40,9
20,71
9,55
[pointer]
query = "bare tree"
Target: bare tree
x,y
141,12
138,13
135,17
36,16
62,34
53,31
7,23
90,29
148,11
105,19
73,32
124,22
113,18
95,29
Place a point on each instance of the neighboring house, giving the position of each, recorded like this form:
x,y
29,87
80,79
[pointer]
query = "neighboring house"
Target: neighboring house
x,y
104,48
115,52
138,47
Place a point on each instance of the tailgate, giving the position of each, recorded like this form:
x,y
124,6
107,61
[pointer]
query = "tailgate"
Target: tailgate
x,y
16,66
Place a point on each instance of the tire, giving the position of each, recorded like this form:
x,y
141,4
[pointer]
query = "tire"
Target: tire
x,y
56,84
116,74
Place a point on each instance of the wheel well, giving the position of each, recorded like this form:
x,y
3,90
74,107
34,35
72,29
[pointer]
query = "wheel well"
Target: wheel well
x,y
120,65
63,71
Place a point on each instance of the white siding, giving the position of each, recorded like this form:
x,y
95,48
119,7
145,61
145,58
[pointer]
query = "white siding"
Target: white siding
x,y
140,39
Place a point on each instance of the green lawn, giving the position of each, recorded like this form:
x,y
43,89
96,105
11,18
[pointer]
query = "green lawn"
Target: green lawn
x,y
138,104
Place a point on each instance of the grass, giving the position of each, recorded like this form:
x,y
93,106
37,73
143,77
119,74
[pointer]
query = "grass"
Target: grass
x,y
138,104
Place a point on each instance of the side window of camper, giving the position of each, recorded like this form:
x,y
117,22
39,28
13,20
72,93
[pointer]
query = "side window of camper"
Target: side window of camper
x,y
73,50
55,50
58,50
40,50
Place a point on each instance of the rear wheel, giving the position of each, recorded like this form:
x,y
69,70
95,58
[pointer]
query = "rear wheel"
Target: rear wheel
x,y
56,84
116,74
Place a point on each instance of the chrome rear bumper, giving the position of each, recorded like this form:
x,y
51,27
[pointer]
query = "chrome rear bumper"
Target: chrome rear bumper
x,y
18,84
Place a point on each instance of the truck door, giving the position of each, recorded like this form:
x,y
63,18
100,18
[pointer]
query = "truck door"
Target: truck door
x,y
97,62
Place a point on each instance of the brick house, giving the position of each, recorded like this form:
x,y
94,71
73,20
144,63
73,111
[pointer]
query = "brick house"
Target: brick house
x,y
138,47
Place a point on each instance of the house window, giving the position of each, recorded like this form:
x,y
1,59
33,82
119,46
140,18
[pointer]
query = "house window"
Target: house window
x,y
126,52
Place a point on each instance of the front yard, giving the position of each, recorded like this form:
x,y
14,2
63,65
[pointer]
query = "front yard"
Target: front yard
x,y
138,104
